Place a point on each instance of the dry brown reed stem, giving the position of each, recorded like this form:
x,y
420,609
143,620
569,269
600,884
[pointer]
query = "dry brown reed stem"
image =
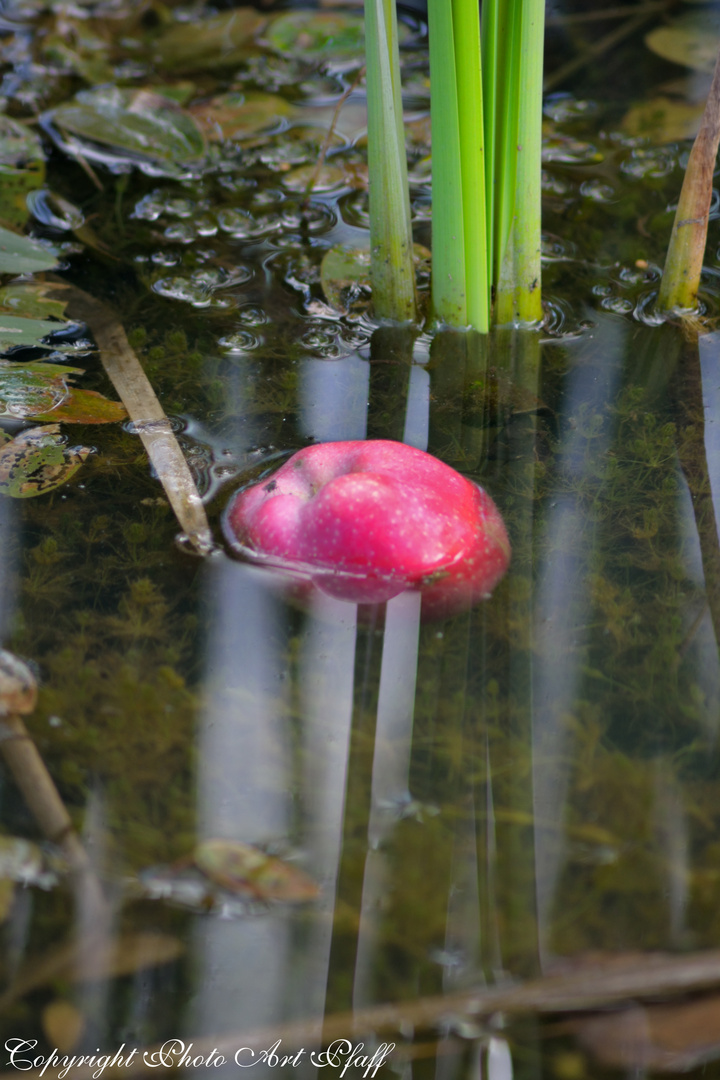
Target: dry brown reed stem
x,y
594,983
686,251
146,413
18,696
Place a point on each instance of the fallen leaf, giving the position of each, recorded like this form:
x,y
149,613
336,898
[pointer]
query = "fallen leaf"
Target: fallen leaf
x,y
37,461
137,126
691,39
243,868
221,40
86,407
235,116
664,120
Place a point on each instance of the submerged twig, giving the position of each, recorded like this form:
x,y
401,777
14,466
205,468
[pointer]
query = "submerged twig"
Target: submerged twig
x,y
18,695
329,134
607,981
146,413
601,46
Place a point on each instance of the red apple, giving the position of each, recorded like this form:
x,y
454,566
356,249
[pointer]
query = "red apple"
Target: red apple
x,y
367,520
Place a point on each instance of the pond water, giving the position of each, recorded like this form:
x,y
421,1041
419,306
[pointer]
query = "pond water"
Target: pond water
x,y
524,792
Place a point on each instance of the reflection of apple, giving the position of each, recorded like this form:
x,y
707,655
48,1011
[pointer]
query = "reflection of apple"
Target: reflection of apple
x,y
367,520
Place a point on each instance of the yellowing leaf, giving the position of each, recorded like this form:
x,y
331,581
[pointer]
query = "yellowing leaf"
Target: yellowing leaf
x,y
37,461
692,39
236,116
664,120
246,869
206,43
86,407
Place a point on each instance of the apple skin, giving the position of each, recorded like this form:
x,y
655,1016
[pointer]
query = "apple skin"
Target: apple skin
x,y
368,520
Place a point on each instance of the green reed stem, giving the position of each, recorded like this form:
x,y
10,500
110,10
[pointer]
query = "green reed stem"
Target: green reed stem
x,y
518,298
466,28
486,133
391,268
448,245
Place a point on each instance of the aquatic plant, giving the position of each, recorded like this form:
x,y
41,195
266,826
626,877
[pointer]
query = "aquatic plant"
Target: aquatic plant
x,y
486,113
391,267
486,106
686,251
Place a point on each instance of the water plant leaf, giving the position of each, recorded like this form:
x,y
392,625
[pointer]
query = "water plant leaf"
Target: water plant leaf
x,y
663,119
345,273
21,255
28,390
313,35
137,125
86,407
221,40
691,39
235,116
246,869
18,331
37,461
22,169
30,300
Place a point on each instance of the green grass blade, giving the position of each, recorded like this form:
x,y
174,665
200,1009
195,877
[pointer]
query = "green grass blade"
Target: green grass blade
x,y
466,27
489,47
448,245
518,297
391,269
508,92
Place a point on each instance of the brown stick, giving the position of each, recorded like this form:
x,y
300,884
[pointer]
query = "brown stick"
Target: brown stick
x,y
18,695
609,980
146,412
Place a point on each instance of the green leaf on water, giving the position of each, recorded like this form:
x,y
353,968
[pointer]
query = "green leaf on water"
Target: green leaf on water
x,y
312,35
29,390
139,124
29,299
15,331
22,169
692,39
37,461
21,255
345,273
222,40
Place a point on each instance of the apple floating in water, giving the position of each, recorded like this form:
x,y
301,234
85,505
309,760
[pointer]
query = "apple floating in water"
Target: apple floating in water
x,y
368,520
